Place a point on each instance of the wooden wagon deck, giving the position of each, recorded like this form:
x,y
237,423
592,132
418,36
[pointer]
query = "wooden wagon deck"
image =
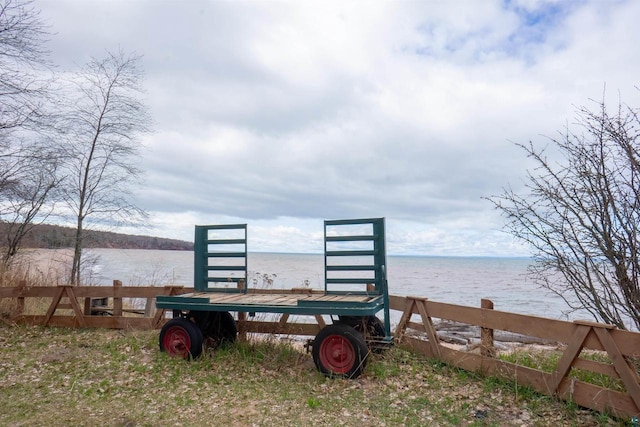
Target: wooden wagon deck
x,y
293,302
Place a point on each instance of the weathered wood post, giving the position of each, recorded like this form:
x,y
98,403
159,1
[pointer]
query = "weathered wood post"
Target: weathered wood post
x,y
117,299
87,306
20,300
487,348
150,307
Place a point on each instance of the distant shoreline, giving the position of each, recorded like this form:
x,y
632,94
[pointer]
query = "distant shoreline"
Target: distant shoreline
x,y
47,236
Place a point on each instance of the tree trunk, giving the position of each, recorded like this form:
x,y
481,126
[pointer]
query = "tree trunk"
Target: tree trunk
x,y
77,255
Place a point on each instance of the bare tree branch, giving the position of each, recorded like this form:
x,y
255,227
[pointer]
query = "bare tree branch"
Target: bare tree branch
x,y
28,166
23,59
101,126
581,216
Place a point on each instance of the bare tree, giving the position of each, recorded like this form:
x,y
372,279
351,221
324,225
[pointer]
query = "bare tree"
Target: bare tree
x,y
22,83
101,127
23,58
27,165
26,196
581,215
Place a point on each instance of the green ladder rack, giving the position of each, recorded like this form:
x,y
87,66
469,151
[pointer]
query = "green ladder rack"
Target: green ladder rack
x,y
220,258
355,259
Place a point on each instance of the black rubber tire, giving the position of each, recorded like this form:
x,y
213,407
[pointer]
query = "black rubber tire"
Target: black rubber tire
x,y
181,338
340,351
218,327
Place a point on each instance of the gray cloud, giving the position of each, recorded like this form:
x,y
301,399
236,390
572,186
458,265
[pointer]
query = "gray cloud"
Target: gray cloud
x,y
282,113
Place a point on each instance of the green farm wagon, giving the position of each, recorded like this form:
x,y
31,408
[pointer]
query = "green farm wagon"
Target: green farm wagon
x,y
355,291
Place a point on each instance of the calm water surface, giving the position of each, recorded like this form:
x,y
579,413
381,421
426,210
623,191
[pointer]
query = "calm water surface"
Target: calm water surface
x,y
456,280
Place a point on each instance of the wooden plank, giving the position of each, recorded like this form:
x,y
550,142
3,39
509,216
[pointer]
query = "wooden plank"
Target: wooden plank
x,y
326,298
150,307
159,318
54,305
311,297
549,329
597,367
144,291
594,324
217,298
302,291
320,320
234,298
598,398
570,354
418,346
487,347
627,374
431,333
289,300
586,395
283,319
74,304
306,291
535,378
87,306
255,326
407,310
117,300
270,300
20,299
285,300
104,322
416,326
253,299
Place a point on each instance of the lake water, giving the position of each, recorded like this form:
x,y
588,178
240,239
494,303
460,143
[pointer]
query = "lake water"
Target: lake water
x,y
456,280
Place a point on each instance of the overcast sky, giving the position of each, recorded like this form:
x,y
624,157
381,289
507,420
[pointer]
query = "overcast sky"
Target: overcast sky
x,y
282,114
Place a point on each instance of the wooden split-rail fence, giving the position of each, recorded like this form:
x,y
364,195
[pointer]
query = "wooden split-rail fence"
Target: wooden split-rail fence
x,y
86,306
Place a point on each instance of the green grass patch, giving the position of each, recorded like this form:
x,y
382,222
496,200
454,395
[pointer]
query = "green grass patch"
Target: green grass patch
x,y
61,377
547,360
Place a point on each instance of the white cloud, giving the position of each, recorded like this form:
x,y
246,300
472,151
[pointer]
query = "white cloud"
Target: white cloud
x,y
281,113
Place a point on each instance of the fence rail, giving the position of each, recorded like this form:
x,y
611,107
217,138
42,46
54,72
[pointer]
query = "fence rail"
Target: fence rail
x,y
73,306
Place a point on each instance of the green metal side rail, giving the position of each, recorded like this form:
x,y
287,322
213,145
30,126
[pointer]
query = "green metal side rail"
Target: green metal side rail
x,y
355,261
220,258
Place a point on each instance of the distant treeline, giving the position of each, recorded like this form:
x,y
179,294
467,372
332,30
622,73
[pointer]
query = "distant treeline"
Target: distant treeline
x,y
53,237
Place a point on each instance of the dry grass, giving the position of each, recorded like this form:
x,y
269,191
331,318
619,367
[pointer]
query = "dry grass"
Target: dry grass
x,y
31,270
61,377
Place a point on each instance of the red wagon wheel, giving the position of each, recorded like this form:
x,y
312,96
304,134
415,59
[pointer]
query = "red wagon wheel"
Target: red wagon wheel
x,y
340,351
181,338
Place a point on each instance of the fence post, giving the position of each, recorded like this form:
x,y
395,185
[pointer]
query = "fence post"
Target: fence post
x,y
117,300
150,307
87,306
20,300
486,334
